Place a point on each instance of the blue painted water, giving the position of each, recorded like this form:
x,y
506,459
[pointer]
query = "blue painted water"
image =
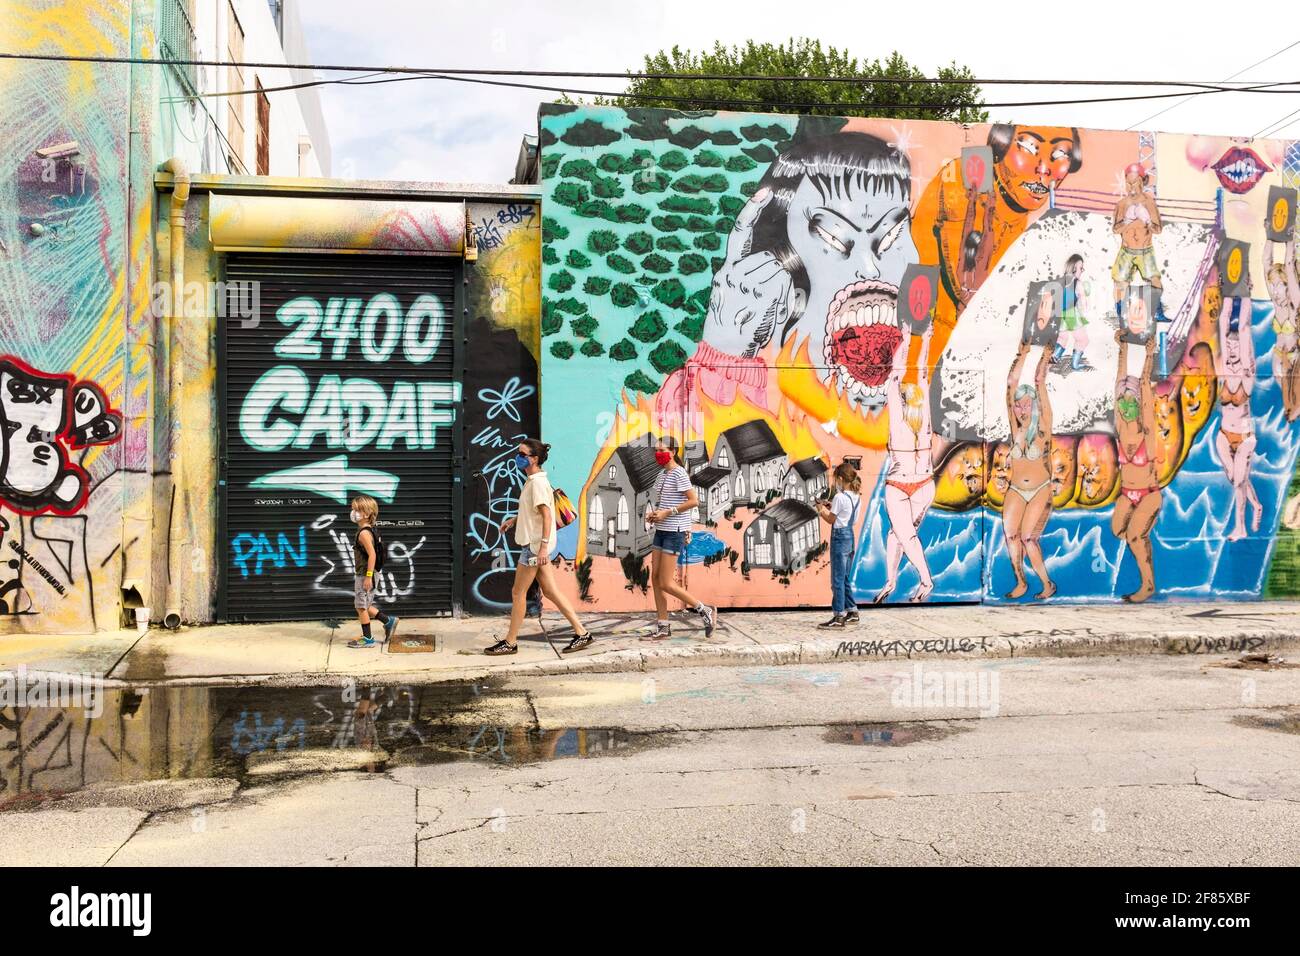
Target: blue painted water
x,y
967,551
703,545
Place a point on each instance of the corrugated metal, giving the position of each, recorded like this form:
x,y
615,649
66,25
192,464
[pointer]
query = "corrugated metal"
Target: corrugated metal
x,y
307,223
288,538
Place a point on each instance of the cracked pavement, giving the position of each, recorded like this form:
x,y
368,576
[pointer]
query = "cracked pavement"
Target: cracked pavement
x,y
1147,761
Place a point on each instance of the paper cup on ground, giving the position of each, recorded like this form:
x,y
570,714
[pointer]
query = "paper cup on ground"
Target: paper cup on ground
x,y
142,619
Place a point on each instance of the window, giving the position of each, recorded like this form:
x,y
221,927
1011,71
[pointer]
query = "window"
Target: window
x,y
762,554
263,132
623,523
740,485
724,461
235,84
596,520
613,472
780,557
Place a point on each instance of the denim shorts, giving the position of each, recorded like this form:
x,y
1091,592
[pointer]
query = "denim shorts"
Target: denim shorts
x,y
670,542
361,598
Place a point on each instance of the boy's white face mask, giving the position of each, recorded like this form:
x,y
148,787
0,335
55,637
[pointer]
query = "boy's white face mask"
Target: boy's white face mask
x,y
356,517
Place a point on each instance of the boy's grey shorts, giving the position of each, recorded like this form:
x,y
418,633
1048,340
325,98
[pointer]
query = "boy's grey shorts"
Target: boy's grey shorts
x,y
361,598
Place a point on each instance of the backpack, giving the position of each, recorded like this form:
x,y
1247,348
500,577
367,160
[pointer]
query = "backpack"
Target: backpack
x,y
565,514
379,548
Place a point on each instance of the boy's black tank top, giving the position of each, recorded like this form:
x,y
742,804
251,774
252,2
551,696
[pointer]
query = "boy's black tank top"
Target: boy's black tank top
x,y
359,553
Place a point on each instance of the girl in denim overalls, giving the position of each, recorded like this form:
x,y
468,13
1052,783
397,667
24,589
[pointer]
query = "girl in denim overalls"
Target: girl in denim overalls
x,y
841,513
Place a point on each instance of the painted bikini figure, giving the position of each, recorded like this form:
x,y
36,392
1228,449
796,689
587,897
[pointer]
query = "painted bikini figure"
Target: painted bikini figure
x,y
1235,367
909,483
1028,503
1137,447
1283,281
1074,301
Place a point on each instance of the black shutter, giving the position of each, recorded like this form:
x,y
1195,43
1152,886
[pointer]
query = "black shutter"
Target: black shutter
x,y
354,399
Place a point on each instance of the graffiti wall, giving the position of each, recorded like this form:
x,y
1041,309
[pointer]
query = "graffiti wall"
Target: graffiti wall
x,y
75,357
1062,360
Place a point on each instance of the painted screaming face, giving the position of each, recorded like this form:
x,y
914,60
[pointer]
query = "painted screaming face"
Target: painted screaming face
x,y
1037,160
1135,314
855,243
999,472
1063,469
1240,169
1098,469
1169,431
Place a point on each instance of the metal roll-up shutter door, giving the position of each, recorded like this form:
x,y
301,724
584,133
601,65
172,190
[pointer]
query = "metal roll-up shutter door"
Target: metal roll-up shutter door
x,y
346,384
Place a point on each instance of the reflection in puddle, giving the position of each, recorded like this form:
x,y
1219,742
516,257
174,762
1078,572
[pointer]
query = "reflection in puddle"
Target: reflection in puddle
x,y
146,734
890,735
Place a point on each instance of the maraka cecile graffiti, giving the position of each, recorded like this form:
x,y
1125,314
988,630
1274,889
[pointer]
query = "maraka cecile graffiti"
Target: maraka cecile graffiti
x,y
1076,411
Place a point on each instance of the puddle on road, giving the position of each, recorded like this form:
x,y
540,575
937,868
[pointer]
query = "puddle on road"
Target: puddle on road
x,y
195,732
1284,720
890,735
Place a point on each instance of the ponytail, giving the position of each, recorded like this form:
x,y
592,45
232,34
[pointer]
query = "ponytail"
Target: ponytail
x,y
848,478
537,448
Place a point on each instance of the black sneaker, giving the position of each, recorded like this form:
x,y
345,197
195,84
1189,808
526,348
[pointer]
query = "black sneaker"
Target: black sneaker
x,y
578,643
501,648
663,630
851,617
836,623
710,615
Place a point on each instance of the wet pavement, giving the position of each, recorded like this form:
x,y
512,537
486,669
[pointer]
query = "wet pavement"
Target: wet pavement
x,y
168,733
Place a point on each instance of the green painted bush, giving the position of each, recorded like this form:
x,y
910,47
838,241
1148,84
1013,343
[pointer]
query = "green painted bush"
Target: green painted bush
x,y
698,204
579,169
631,212
601,241
654,263
671,293
731,205
691,264
649,327
607,187
740,164
620,263
596,285
639,243
562,350
652,183
552,321
570,194
589,133
761,153
552,231
549,165
622,351
550,256
668,223
583,328
670,243
596,209
561,281
708,242
707,158
623,295
673,160
591,348
571,305
576,260
638,381
756,131
691,327
698,224
667,357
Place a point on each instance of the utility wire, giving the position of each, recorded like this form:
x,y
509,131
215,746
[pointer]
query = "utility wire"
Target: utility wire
x,y
697,101
348,68
1228,80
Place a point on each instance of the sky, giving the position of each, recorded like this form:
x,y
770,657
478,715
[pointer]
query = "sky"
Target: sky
x,y
461,132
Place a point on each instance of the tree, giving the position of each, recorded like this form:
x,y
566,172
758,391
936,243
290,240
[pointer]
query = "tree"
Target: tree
x,y
959,102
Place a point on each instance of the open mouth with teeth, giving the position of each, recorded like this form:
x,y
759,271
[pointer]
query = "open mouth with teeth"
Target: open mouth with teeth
x,y
863,333
1240,169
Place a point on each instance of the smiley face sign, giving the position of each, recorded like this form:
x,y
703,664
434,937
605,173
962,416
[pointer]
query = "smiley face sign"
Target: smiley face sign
x,y
1280,219
1234,268
917,295
977,168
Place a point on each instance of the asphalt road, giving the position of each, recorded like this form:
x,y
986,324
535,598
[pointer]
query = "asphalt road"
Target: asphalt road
x,y
1149,761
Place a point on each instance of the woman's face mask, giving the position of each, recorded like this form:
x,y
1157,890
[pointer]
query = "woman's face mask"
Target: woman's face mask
x,y
523,462
355,516
663,457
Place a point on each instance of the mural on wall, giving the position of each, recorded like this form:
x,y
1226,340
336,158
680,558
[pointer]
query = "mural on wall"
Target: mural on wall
x,y
1083,391
75,356
503,299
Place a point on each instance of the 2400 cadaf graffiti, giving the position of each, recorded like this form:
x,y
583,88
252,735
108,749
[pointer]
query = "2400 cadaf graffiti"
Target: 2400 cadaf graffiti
x,y
43,416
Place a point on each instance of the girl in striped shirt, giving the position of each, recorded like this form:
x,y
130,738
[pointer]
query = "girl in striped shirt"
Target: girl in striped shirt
x,y
673,499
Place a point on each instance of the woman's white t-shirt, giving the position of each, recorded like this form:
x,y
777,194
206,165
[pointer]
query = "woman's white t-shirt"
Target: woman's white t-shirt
x,y
529,525
842,507
671,490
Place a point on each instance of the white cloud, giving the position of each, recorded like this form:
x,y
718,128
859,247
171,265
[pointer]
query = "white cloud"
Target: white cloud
x,y
439,130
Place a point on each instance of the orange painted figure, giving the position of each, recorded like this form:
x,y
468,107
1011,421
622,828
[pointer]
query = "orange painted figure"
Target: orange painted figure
x,y
966,233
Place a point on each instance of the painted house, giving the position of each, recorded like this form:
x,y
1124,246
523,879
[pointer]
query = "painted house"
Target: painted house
x,y
754,458
617,502
713,487
806,480
696,456
779,536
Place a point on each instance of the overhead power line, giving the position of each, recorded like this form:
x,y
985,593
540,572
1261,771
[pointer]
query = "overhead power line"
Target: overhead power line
x,y
903,81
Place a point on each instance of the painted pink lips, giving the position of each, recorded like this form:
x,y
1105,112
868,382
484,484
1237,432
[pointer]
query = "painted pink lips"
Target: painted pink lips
x,y
1240,169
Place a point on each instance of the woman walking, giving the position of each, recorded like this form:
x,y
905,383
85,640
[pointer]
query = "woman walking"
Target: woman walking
x,y
674,497
841,513
535,533
1028,504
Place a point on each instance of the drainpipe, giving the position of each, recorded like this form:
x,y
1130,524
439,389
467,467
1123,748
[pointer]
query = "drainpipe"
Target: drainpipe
x,y
176,378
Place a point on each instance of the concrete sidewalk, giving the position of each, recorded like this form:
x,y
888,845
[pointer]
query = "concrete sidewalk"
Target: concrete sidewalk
x,y
308,652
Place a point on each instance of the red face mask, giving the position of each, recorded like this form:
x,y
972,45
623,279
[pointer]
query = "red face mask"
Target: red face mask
x,y
663,457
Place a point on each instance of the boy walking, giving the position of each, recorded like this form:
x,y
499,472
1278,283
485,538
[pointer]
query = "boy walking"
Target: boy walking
x,y
368,553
